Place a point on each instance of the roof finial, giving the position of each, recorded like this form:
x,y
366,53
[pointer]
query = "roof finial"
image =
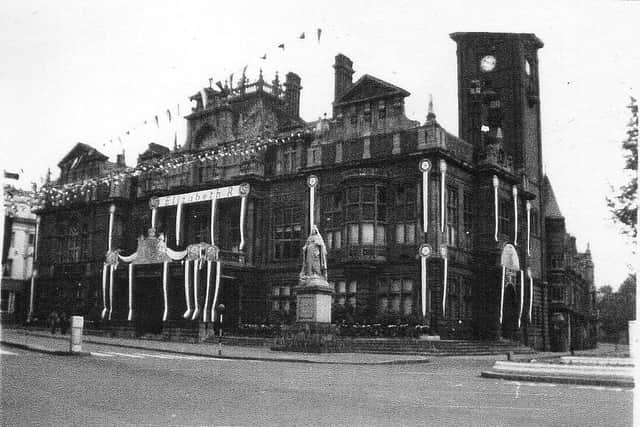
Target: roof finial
x,y
499,133
210,82
431,115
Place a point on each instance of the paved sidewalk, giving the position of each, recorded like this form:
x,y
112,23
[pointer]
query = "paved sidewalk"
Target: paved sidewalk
x,y
38,340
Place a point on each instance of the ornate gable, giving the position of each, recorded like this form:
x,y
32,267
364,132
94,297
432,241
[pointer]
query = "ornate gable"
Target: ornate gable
x,y
370,88
80,153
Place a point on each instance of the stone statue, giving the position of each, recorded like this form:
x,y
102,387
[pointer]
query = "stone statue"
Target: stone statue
x,y
314,256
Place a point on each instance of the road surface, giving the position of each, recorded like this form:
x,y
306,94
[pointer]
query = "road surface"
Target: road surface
x,y
117,386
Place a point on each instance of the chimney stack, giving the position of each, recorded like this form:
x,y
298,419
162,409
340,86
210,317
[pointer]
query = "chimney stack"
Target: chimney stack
x,y
343,75
292,94
120,159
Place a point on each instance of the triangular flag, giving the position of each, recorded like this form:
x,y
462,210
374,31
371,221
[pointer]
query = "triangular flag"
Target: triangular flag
x,y
301,36
264,56
319,33
281,46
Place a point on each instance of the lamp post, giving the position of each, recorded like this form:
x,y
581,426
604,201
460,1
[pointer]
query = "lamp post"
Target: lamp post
x,y
220,310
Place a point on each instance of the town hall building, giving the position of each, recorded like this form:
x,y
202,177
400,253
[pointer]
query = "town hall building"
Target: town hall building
x,y
451,231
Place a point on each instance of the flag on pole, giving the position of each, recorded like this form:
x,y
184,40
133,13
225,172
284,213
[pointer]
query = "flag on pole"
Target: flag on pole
x,y
319,34
157,123
169,115
301,36
264,56
11,175
281,46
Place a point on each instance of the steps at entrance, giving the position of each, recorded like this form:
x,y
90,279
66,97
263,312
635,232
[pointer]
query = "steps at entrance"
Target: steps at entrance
x,y
400,346
443,347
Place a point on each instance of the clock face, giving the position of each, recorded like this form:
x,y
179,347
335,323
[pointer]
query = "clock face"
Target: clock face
x,y
488,63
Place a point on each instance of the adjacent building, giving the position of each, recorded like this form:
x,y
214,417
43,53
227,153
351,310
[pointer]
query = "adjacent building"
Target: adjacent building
x,y
572,293
450,231
17,253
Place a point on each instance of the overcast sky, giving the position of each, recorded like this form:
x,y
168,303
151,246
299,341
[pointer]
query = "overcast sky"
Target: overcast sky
x,y
81,71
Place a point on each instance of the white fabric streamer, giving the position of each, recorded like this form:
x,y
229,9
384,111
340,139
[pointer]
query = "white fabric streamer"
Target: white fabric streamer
x,y
502,293
206,298
215,292
423,273
196,304
165,268
495,207
187,295
243,208
104,290
110,291
521,297
178,222
515,216
530,293
130,315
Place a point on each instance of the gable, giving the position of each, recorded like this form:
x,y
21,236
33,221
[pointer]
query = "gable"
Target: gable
x,y
368,88
82,153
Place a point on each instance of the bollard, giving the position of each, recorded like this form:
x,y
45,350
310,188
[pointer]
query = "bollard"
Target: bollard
x,y
77,323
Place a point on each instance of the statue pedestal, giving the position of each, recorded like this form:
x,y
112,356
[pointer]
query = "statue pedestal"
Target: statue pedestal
x,y
313,298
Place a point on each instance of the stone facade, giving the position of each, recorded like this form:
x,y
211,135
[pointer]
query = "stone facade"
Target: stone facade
x,y
572,293
368,203
17,254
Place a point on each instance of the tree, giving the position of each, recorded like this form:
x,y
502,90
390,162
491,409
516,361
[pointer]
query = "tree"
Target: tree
x,y
623,205
616,309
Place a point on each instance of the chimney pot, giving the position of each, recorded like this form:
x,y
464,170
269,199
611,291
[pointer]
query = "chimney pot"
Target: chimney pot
x,y
343,75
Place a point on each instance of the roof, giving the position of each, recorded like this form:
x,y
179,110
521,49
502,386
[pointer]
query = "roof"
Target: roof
x,y
154,150
474,35
551,208
83,152
369,87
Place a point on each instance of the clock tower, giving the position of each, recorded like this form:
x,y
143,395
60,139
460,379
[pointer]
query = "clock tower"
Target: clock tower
x,y
499,113
498,95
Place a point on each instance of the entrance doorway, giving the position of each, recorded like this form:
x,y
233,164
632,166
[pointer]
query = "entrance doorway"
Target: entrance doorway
x,y
148,305
510,313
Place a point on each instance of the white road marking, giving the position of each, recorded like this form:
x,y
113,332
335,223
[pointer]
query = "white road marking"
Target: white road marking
x,y
165,356
125,355
594,387
6,353
95,353
530,384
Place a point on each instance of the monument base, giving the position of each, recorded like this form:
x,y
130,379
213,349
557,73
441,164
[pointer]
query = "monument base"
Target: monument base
x,y
313,331
313,301
308,337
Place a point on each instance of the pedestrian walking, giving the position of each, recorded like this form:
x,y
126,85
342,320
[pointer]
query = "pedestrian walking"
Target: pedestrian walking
x,y
54,321
64,323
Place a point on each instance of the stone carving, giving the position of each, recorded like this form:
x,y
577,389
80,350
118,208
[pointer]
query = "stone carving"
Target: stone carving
x,y
202,252
112,258
314,257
